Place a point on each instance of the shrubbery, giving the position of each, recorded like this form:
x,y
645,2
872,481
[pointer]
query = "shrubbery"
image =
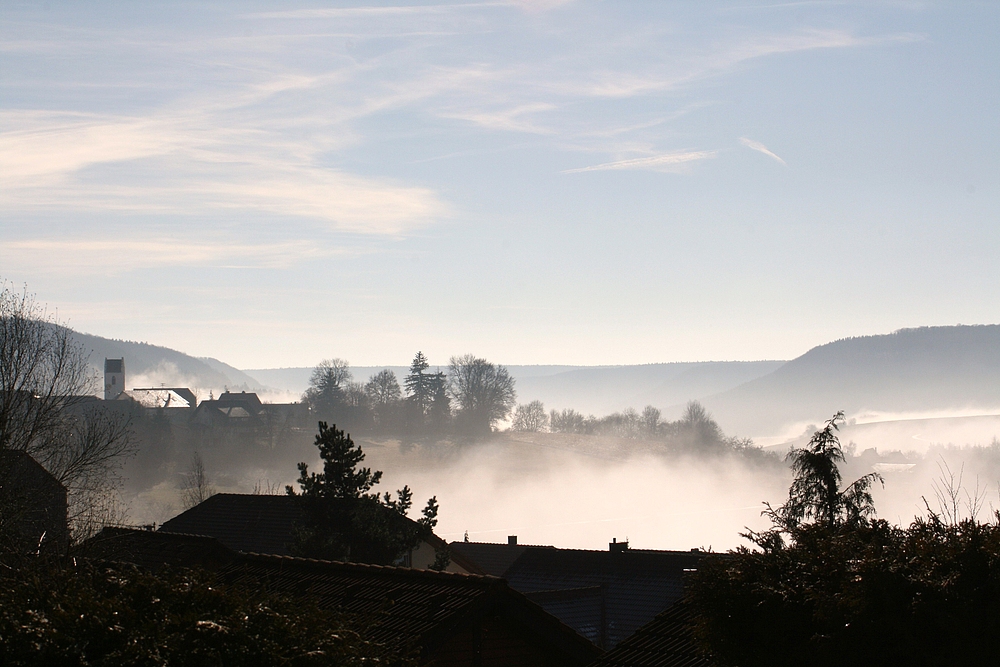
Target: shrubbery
x,y
830,585
82,614
873,594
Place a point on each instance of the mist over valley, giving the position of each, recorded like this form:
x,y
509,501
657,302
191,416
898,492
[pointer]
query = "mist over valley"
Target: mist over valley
x,y
917,402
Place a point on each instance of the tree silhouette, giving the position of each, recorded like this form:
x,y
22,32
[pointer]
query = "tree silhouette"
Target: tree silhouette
x,y
815,494
483,392
344,520
341,478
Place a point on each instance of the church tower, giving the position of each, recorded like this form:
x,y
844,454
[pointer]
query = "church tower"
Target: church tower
x,y
114,378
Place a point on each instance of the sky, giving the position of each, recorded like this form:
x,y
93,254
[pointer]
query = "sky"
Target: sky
x,y
532,181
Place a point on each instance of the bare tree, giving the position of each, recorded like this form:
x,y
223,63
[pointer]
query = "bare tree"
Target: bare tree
x,y
567,421
42,372
328,384
530,417
330,373
951,495
483,392
383,388
197,486
47,409
650,420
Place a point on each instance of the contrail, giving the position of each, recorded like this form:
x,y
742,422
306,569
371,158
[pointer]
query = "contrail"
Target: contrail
x,y
757,146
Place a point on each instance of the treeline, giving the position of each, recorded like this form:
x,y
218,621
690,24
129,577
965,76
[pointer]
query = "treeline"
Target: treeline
x,y
469,400
694,433
475,396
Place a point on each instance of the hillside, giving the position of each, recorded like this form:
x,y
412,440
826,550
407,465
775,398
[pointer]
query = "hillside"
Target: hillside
x,y
911,370
601,390
153,365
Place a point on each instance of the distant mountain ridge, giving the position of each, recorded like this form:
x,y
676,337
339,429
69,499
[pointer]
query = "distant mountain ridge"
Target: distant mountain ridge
x,y
909,370
589,389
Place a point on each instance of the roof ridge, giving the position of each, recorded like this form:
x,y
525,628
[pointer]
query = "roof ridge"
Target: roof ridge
x,y
409,571
170,533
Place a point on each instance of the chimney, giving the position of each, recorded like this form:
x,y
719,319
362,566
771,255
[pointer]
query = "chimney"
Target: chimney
x,y
512,540
617,547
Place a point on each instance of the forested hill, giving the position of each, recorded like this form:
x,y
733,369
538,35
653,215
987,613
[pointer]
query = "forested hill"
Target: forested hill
x,y
929,368
152,365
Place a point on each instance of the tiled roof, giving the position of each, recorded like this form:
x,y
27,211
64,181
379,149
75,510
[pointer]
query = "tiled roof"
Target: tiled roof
x,y
604,595
413,601
632,586
408,606
243,522
248,401
666,641
404,607
153,549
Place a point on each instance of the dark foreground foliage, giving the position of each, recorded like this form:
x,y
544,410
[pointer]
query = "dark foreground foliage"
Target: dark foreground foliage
x,y
862,595
83,614
830,585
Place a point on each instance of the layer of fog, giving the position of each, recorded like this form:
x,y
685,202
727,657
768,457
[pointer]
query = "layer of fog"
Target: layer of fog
x,y
904,431
583,491
557,497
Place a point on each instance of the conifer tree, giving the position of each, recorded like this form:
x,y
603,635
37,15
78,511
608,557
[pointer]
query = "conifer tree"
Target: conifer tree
x,y
344,520
418,383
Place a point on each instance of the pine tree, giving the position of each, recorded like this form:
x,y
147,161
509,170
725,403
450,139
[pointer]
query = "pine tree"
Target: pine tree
x,y
341,477
439,413
815,495
418,387
344,519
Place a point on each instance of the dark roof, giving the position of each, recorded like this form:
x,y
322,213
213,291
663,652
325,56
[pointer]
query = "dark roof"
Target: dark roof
x,y
260,524
249,401
493,559
243,522
666,641
629,587
20,468
34,504
411,606
114,365
153,549
604,595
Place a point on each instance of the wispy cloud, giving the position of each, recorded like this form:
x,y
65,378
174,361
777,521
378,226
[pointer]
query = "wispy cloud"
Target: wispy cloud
x,y
117,256
665,162
373,12
513,120
189,162
406,10
260,131
539,5
757,146
722,58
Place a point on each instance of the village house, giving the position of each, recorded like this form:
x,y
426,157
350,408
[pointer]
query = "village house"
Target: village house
x,y
234,411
